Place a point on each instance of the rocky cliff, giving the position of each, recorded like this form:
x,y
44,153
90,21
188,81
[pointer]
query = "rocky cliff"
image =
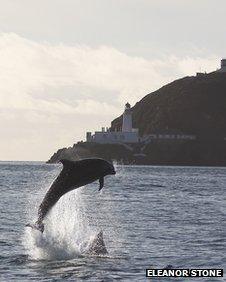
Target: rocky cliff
x,y
191,105
195,105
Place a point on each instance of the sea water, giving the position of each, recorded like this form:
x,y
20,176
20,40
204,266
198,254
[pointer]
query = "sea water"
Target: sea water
x,y
151,217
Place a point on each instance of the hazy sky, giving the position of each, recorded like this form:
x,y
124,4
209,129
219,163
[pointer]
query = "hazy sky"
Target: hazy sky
x,y
69,66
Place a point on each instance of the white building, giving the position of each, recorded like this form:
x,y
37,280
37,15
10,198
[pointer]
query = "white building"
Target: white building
x,y
127,119
168,136
223,66
128,134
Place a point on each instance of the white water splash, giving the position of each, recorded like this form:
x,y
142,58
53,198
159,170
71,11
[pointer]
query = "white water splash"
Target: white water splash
x,y
67,232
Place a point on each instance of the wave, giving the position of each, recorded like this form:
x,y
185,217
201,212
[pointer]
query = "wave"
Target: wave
x,y
67,231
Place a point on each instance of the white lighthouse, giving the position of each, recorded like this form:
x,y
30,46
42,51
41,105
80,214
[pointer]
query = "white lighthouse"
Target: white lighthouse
x,y
127,119
128,134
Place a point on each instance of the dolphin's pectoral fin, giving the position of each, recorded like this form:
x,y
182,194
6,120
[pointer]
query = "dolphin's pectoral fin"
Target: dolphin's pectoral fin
x,y
101,180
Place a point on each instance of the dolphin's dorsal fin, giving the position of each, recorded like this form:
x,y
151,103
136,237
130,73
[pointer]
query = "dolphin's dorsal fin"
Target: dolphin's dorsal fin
x,y
101,180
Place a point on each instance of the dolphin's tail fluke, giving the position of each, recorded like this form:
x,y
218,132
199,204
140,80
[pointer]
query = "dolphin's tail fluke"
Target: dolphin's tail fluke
x,y
38,226
97,247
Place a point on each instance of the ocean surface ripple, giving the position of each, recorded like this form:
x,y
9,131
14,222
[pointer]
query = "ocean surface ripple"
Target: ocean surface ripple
x,y
151,217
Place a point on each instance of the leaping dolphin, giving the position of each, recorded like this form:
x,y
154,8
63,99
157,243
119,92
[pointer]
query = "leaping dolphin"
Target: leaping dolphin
x,y
73,175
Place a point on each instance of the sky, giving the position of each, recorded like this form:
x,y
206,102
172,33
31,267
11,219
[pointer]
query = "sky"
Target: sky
x,y
69,66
